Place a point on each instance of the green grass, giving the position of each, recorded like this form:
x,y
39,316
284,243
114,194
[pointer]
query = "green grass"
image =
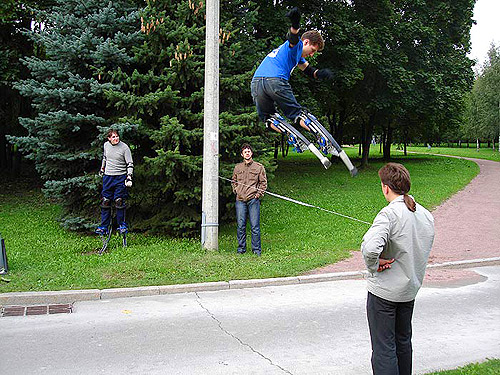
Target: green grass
x,y
295,239
482,153
490,367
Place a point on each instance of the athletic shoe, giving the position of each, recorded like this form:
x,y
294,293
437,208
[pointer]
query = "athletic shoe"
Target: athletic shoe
x,y
101,230
123,229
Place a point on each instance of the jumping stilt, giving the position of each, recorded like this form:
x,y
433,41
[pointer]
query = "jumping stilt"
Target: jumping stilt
x,y
328,145
295,138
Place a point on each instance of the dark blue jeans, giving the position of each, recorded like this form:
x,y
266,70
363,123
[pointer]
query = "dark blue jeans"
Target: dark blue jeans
x,y
250,209
390,332
268,91
113,187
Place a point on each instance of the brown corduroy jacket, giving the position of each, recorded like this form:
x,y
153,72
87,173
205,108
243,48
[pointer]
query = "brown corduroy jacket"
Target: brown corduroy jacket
x,y
247,178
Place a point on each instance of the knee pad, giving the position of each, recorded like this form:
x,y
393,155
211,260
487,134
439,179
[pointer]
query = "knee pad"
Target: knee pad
x,y
120,203
105,203
297,120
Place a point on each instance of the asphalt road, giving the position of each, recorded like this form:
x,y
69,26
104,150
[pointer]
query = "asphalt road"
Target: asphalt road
x,y
316,328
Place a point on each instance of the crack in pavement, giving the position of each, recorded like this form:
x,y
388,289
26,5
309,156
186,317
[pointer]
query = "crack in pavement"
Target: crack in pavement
x,y
219,323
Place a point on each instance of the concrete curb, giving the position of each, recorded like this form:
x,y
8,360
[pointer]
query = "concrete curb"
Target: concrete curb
x,y
467,263
44,298
71,296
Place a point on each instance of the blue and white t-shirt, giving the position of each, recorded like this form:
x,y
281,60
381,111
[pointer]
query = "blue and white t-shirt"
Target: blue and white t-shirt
x,y
281,62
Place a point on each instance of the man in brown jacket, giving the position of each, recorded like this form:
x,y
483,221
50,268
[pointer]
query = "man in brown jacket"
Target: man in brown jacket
x,y
249,184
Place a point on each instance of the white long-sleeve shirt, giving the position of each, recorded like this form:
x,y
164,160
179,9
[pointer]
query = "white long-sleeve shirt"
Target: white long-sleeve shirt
x,y
405,236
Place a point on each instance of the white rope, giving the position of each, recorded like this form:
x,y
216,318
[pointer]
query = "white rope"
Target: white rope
x,y
298,202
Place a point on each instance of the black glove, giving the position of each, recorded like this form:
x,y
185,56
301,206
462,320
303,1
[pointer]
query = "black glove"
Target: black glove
x,y
324,74
294,15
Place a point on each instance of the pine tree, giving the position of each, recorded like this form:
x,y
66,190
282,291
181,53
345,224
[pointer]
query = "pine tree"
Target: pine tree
x,y
81,40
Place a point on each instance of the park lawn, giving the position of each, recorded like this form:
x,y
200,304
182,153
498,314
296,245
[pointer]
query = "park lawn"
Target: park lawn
x,y
295,239
489,367
482,153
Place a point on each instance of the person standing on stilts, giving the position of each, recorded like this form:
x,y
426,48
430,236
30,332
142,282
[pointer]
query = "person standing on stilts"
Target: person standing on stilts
x,y
116,170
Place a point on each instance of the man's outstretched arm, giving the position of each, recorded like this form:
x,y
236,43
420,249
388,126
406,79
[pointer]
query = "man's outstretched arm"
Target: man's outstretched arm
x,y
293,34
322,74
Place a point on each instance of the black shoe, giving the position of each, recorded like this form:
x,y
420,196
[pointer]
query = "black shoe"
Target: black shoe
x,y
257,253
240,252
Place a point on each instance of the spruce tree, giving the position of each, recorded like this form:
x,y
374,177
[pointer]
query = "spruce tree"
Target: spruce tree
x,y
81,40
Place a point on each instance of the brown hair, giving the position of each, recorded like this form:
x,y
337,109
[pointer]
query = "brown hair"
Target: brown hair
x,y
397,177
113,131
315,38
244,146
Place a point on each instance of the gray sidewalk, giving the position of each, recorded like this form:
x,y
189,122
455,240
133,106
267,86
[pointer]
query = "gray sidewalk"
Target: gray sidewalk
x,y
308,328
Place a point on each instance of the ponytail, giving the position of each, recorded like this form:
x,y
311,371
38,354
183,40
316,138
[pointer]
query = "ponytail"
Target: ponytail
x,y
410,203
397,177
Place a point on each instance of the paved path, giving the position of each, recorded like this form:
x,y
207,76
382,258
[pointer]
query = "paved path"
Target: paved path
x,y
467,225
294,329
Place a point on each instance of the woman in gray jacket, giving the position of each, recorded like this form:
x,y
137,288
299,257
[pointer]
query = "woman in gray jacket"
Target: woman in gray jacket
x,y
395,250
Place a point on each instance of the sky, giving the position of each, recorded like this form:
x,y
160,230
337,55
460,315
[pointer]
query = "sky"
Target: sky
x,y
486,30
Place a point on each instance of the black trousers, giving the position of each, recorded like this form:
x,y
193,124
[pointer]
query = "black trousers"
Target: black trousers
x,y
390,332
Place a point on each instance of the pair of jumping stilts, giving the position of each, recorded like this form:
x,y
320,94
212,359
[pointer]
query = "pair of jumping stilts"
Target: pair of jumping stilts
x,y
327,144
106,235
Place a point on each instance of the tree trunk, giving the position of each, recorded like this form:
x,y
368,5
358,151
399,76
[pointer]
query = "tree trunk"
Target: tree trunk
x,y
332,119
361,139
284,146
16,161
339,134
3,153
367,136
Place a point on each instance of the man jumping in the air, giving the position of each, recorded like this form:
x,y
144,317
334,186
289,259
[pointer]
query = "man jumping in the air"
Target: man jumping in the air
x,y
270,87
